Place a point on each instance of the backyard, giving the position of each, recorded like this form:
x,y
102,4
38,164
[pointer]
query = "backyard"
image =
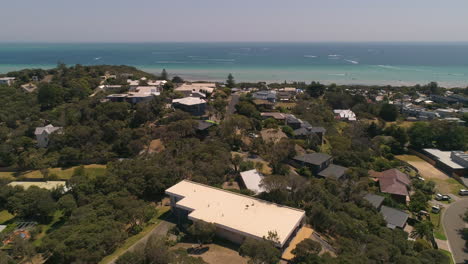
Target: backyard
x,y
444,183
61,173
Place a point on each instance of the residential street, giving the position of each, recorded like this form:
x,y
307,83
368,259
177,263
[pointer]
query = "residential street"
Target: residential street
x,y
453,223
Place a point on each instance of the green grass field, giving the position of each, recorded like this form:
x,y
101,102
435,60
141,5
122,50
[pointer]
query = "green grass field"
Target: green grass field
x,y
439,232
47,228
62,173
5,216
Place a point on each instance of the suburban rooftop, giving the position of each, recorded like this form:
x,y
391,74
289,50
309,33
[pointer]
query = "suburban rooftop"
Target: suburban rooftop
x,y
253,217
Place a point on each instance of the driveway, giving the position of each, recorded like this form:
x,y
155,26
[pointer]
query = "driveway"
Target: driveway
x,y
159,230
453,223
231,108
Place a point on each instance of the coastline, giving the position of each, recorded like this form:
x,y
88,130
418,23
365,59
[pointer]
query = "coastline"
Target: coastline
x,y
374,75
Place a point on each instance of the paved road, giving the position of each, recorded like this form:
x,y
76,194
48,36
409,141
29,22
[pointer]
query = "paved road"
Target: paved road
x,y
231,108
159,230
453,223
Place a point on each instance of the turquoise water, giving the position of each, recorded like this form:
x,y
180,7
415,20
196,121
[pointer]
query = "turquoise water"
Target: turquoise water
x,y
350,63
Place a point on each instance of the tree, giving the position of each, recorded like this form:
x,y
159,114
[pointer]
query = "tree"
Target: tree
x,y
260,251
236,161
230,83
164,75
49,95
22,249
388,112
420,135
157,251
305,249
423,230
34,203
67,204
177,79
202,231
315,89
131,257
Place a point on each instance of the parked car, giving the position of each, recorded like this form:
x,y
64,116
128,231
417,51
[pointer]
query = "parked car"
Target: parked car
x,y
421,178
463,192
435,209
442,197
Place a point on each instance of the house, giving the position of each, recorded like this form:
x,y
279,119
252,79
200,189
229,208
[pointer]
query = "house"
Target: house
x,y
203,128
252,180
235,216
450,162
294,122
395,183
7,80
443,100
265,104
375,200
136,95
307,132
196,87
43,133
193,105
460,98
333,172
29,87
315,161
267,95
345,114
275,115
395,218
48,185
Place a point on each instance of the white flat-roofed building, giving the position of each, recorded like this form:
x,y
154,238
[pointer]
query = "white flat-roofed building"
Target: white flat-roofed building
x,y
252,180
48,185
194,105
449,161
196,87
236,216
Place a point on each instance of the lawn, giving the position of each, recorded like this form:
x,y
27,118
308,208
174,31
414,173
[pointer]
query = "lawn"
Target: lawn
x,y
448,254
439,232
65,173
7,175
153,223
5,216
47,228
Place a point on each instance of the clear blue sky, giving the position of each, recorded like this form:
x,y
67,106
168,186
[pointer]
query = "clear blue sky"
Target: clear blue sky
x,y
234,20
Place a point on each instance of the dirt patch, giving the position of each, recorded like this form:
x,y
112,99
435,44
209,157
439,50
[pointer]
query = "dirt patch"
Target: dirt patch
x,y
156,146
266,170
272,135
426,170
444,183
231,186
216,254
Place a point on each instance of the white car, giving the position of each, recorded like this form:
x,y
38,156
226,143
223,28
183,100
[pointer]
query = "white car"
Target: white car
x,y
463,192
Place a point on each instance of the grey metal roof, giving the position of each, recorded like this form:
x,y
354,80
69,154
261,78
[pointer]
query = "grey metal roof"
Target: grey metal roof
x,y
313,158
374,199
394,217
334,171
202,125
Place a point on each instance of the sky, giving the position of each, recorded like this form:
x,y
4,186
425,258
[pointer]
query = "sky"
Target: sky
x,y
234,21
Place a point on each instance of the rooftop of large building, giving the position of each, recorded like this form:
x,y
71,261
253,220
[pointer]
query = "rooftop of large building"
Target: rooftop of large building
x,y
236,212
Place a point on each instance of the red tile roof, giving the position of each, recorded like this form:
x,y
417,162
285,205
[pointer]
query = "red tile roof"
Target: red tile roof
x,y
394,181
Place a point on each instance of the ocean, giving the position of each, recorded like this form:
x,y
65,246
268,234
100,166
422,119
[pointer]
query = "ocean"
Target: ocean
x,y
342,63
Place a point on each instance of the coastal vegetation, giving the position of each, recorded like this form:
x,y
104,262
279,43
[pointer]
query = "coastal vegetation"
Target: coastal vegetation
x,y
97,212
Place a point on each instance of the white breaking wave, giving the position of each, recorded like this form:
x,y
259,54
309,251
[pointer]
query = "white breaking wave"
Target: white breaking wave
x,y
389,67
97,58
334,55
352,61
337,74
310,56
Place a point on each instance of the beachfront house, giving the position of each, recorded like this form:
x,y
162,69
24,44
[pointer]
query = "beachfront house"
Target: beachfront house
x,y
235,216
43,134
